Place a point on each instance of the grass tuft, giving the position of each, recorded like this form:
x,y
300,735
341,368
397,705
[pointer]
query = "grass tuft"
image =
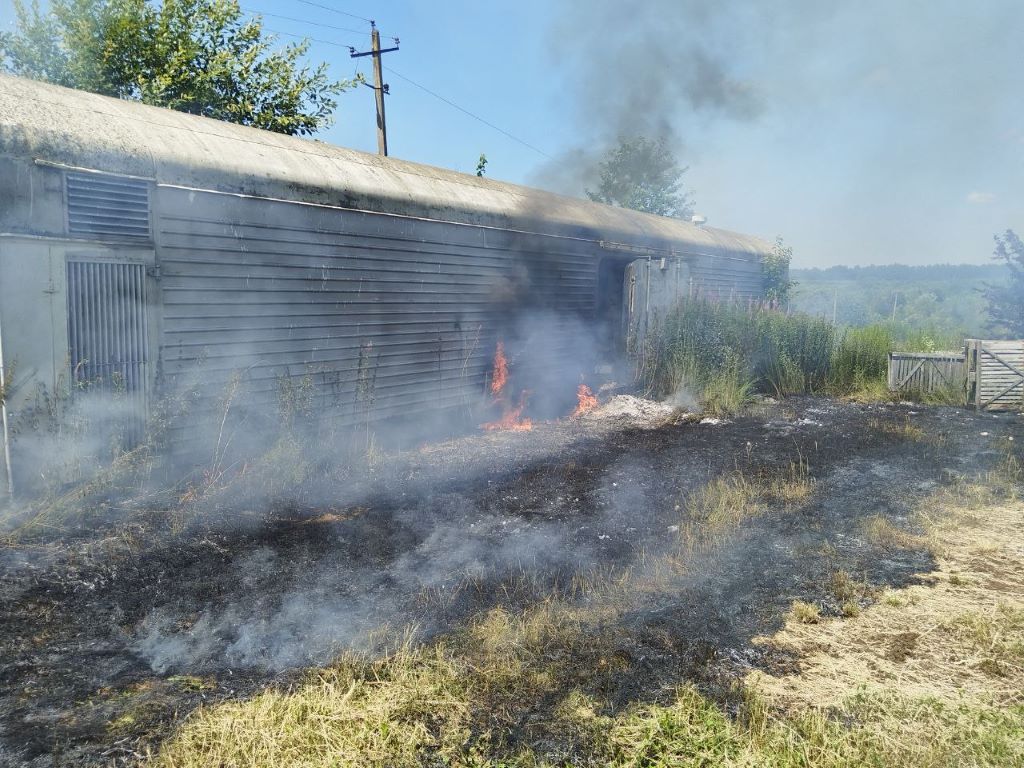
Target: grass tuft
x,y
804,613
882,532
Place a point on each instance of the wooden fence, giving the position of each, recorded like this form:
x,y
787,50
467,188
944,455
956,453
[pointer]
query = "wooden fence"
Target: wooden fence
x,y
988,374
927,372
995,374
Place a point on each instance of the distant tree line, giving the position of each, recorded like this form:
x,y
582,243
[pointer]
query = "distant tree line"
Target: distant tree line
x,y
946,300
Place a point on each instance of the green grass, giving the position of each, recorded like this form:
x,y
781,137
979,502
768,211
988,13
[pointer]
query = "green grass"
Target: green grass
x,y
860,359
720,355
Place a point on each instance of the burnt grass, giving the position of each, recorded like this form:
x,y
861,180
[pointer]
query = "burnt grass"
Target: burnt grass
x,y
106,644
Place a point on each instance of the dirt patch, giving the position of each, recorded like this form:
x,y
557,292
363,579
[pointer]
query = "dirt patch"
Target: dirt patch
x,y
901,646
98,638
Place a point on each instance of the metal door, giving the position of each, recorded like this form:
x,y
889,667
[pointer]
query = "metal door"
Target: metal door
x,y
108,335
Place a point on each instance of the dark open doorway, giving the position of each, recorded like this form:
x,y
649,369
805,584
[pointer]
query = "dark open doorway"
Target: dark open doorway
x,y
611,272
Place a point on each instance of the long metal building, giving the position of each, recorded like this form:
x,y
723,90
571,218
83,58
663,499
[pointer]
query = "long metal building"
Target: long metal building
x,y
140,245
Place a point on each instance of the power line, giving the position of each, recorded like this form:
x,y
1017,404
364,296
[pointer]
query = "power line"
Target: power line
x,y
451,103
412,82
335,10
335,43
306,21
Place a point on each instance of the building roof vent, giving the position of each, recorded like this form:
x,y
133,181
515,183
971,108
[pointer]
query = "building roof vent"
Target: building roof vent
x,y
699,219
104,205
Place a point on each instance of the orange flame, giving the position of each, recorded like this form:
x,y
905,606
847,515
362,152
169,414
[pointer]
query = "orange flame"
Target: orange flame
x,y
511,419
512,416
587,400
500,376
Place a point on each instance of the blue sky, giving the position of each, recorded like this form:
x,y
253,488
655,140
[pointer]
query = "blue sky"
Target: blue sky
x,y
864,132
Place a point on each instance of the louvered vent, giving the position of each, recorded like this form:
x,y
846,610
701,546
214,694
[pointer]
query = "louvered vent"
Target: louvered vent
x,y
99,204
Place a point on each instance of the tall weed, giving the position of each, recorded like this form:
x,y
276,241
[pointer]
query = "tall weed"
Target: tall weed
x,y
722,353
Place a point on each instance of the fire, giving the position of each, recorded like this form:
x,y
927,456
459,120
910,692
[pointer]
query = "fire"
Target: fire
x,y
511,419
512,415
500,376
587,400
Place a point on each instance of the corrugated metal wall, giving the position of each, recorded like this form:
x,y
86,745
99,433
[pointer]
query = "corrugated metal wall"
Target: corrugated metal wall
x,y
411,308
726,278
655,285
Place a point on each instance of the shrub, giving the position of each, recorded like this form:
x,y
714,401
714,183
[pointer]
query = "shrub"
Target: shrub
x,y
861,358
721,353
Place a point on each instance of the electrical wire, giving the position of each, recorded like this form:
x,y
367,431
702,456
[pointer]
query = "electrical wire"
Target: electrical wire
x,y
399,75
305,21
335,43
451,103
335,10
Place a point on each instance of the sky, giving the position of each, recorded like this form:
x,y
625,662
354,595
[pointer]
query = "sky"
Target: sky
x,y
870,132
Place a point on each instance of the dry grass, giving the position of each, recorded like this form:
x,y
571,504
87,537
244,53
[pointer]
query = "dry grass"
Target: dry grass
x,y
804,613
931,675
906,429
725,502
901,430
871,391
957,638
527,690
728,500
882,532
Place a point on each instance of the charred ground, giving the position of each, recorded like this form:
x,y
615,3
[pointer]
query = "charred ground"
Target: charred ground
x,y
107,642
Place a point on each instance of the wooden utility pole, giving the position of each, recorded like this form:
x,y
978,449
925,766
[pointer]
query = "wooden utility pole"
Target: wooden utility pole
x,y
379,86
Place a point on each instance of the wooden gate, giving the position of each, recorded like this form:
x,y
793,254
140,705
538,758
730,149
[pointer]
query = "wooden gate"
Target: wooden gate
x,y
926,372
995,374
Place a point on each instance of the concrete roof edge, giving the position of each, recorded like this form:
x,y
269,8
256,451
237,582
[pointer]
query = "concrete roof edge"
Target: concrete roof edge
x,y
60,125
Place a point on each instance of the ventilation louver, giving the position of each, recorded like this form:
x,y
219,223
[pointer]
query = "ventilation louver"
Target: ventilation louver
x,y
115,206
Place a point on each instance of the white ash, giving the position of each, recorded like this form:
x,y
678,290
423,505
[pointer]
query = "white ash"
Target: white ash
x,y
633,409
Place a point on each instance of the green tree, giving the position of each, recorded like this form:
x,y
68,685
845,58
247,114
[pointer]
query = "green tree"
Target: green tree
x,y
643,175
198,56
1006,300
481,165
777,285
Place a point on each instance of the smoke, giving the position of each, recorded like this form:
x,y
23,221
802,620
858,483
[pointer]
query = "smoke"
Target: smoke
x,y
283,611
640,68
645,69
864,132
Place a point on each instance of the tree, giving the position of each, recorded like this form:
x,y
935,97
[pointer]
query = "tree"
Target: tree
x,y
643,175
481,165
1006,300
198,56
777,285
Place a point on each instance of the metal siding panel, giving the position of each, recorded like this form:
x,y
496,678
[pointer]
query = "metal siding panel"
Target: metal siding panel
x,y
239,281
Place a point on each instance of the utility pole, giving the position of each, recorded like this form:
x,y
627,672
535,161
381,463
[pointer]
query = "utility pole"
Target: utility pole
x,y
895,298
379,86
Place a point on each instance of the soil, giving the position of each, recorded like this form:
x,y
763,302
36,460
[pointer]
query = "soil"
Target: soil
x,y
107,642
